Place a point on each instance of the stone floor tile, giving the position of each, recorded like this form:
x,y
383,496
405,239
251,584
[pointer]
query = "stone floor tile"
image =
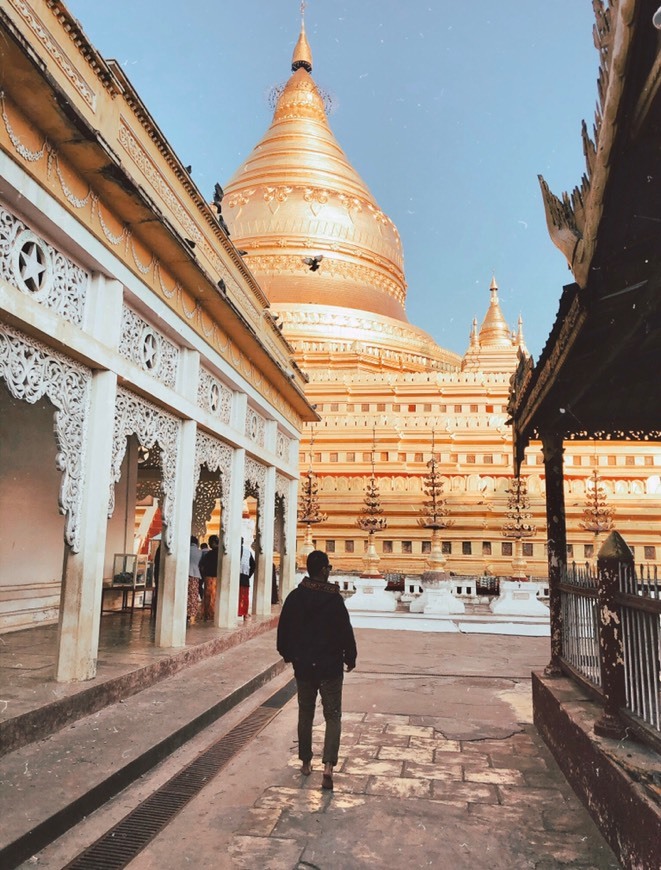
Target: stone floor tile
x,y
480,793
524,796
544,778
436,742
562,819
247,853
259,822
399,787
501,776
360,751
518,762
368,739
410,753
344,783
372,768
353,717
486,747
570,850
388,718
296,798
410,730
471,761
343,801
450,773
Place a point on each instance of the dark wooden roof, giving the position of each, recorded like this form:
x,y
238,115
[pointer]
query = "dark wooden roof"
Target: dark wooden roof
x,y
599,374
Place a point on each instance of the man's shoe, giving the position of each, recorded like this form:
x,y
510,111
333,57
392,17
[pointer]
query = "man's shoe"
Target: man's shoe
x,y
306,768
327,781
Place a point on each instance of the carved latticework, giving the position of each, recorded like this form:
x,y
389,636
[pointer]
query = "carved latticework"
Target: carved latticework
x,y
148,348
151,425
214,396
216,456
255,426
148,487
255,485
40,271
33,371
283,446
207,492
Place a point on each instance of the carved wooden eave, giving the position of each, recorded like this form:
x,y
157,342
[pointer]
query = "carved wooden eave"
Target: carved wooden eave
x,y
573,220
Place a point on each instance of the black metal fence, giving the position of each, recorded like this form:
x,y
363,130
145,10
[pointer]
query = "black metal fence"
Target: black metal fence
x,y
610,620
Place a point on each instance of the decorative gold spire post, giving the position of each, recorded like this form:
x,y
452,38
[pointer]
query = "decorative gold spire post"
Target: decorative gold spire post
x,y
518,524
371,519
434,511
308,510
597,516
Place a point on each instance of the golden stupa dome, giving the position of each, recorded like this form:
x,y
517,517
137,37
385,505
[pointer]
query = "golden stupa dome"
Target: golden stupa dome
x,y
329,260
297,196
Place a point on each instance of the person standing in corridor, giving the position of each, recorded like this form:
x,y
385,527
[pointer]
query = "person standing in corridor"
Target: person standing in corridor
x,y
315,635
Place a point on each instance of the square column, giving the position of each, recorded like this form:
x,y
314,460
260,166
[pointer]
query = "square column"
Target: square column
x,y
82,582
229,563
261,602
173,584
288,568
552,449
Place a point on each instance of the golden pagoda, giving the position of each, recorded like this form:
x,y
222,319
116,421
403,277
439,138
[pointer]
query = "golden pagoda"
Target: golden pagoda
x,y
331,264
328,258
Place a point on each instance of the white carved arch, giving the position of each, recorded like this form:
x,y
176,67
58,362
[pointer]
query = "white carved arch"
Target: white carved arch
x,y
216,456
151,425
31,371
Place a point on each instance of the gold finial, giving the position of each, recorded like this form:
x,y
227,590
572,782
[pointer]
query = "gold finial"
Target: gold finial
x,y
302,56
494,285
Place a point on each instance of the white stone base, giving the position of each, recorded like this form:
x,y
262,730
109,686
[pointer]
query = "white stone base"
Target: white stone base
x,y
412,590
371,595
518,598
441,600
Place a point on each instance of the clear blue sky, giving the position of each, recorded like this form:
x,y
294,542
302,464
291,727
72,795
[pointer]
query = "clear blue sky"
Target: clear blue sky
x,y
448,110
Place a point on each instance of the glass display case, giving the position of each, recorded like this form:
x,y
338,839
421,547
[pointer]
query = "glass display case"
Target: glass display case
x,y
124,569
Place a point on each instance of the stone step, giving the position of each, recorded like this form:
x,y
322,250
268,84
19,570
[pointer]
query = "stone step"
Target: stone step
x,y
40,717
50,785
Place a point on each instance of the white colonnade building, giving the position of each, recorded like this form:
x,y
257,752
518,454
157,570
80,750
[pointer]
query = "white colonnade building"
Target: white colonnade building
x,y
138,356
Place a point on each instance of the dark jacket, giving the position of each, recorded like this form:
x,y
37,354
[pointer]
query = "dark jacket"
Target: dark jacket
x,y
209,562
314,632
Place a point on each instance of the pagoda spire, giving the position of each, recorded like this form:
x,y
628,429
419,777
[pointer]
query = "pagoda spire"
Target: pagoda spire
x,y
302,56
494,330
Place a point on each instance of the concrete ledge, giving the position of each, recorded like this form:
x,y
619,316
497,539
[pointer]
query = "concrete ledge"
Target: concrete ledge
x,y
98,693
610,777
48,787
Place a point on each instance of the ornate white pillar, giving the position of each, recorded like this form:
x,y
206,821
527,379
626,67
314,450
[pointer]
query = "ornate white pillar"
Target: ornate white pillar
x,y
173,587
264,572
230,562
288,569
82,582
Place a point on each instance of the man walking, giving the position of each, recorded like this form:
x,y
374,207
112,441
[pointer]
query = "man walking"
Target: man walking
x,y
315,635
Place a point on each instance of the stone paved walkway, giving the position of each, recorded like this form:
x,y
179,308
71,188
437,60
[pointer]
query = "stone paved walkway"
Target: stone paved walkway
x,y
474,787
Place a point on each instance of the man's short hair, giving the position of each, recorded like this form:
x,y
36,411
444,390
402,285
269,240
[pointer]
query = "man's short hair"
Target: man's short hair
x,y
194,539
214,541
317,560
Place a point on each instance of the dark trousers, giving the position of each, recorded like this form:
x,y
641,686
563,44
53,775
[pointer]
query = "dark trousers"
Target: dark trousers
x,y
331,702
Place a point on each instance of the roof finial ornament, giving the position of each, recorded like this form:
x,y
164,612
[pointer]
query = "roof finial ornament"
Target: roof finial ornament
x,y
494,289
302,56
